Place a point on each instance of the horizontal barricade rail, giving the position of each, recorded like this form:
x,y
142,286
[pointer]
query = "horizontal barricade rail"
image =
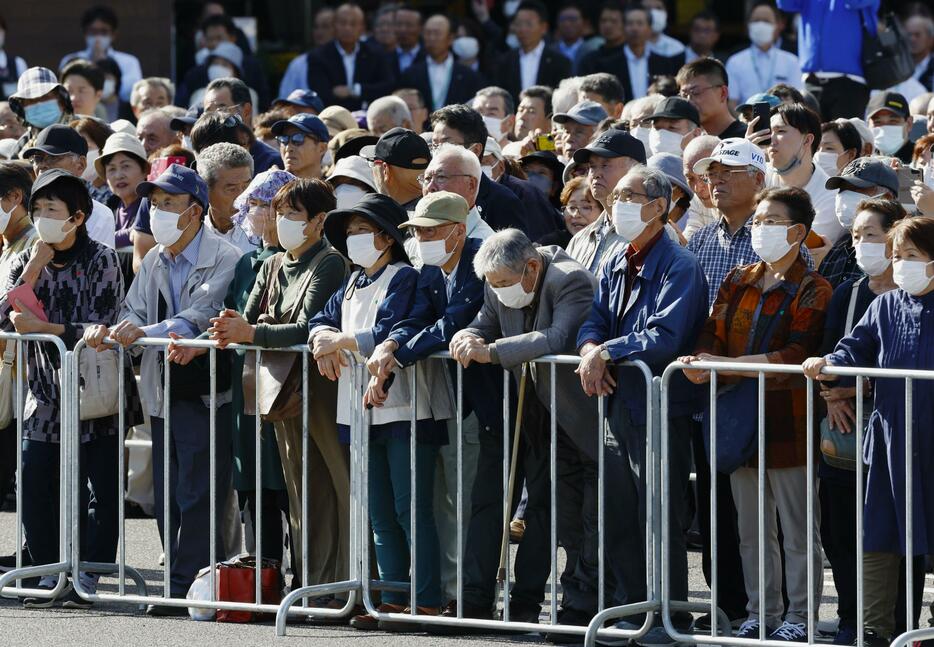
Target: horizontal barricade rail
x,y
761,370
122,570
63,565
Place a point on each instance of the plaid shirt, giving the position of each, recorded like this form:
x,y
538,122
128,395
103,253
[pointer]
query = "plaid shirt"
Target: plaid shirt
x,y
840,263
796,337
718,252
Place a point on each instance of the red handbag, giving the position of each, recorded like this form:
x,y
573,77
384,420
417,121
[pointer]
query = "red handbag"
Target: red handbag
x,y
236,582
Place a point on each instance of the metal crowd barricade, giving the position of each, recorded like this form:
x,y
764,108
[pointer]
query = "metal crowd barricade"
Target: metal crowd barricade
x,y
60,568
715,637
123,570
551,362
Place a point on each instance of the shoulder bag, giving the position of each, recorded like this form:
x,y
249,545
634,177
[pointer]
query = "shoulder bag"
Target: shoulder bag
x,y
886,56
7,384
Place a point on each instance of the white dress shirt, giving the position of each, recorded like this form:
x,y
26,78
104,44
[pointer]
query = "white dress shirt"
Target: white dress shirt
x,y
130,69
406,58
349,59
638,71
666,46
752,71
439,78
102,225
529,63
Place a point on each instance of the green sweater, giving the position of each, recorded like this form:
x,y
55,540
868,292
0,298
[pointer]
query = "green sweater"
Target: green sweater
x,y
328,276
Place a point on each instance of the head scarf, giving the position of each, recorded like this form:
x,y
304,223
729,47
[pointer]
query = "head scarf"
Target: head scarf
x,y
263,187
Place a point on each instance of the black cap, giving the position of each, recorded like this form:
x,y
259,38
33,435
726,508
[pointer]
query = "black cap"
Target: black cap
x,y
865,172
383,211
352,145
676,108
58,139
892,101
57,175
547,158
400,147
181,123
613,143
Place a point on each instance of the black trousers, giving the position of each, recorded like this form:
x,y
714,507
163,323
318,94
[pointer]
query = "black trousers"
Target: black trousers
x,y
839,97
731,587
275,504
838,537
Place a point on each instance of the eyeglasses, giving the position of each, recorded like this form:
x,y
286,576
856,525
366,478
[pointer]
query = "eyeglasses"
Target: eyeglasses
x,y
295,138
626,195
438,178
692,94
715,177
430,233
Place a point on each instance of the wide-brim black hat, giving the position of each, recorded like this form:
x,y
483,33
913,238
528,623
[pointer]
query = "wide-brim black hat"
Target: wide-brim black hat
x,y
381,210
548,159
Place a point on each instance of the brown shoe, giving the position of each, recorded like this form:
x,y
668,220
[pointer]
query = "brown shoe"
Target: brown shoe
x,y
403,626
516,530
366,622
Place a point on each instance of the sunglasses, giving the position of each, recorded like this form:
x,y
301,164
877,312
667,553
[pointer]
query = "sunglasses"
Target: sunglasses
x,y
295,138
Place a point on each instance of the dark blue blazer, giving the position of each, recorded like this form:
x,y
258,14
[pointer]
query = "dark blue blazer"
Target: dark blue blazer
x,y
462,88
372,70
499,207
541,218
660,322
435,318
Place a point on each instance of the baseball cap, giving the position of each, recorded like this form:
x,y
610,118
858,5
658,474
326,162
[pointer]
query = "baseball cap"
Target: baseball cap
x,y
303,98
177,180
229,52
180,123
121,143
439,208
383,211
353,167
493,148
613,143
673,168
587,113
733,151
305,122
58,139
350,142
760,97
337,118
891,101
864,172
675,108
399,147
55,175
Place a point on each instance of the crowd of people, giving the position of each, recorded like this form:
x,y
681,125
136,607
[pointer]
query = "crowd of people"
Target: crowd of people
x,y
503,187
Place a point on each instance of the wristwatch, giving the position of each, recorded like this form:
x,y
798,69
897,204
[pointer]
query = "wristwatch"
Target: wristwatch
x,y
604,353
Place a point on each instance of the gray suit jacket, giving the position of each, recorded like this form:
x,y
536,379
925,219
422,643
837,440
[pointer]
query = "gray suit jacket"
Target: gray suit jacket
x,y
564,301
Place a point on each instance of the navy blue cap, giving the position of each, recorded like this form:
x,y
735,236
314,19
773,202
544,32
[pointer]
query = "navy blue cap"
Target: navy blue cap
x,y
179,123
303,98
612,143
177,180
306,123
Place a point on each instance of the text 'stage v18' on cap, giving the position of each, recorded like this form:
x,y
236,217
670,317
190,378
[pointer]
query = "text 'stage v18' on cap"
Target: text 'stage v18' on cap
x,y
733,151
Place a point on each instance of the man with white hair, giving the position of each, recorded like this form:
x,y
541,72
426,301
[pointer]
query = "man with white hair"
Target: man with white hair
x,y
454,168
227,169
535,300
151,92
154,129
387,113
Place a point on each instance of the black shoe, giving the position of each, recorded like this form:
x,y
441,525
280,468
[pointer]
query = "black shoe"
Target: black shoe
x,y
8,562
164,610
468,611
702,624
872,639
74,601
573,617
524,613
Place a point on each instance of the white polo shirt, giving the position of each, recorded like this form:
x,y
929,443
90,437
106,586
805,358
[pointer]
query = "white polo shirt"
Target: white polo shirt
x,y
823,199
752,71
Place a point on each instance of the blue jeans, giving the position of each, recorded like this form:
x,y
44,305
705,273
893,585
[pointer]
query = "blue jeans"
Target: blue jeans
x,y
390,508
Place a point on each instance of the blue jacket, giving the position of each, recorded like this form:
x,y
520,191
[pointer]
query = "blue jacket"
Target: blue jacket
x,y
666,311
830,35
432,322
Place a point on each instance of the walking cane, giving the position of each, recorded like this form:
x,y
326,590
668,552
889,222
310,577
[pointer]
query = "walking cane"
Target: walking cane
x,y
504,545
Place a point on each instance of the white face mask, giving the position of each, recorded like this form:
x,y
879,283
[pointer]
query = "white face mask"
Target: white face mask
x,y
362,251
770,242
627,220
327,160
52,231
487,171
659,20
845,207
109,89
642,134
911,276
466,47
514,296
512,41
90,173
494,127
164,225
665,141
348,195
5,215
218,71
103,41
761,33
291,233
871,258
888,139
433,252
827,161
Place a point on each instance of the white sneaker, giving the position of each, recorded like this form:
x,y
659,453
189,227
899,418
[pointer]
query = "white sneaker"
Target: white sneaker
x,y
791,632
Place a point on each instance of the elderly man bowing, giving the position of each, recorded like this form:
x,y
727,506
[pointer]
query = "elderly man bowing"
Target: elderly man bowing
x,y
651,301
535,300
